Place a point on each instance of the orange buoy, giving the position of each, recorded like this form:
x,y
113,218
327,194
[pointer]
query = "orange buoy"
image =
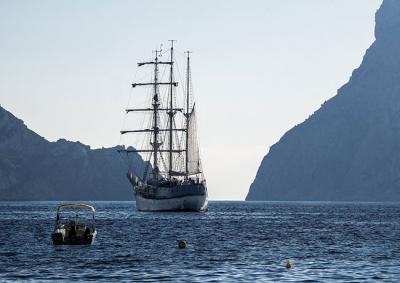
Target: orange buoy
x,y
288,264
182,244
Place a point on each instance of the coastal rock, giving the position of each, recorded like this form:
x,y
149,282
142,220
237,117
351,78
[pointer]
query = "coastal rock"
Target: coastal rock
x,y
348,150
32,168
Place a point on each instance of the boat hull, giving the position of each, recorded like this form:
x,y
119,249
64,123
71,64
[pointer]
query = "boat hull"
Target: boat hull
x,y
170,196
60,238
184,203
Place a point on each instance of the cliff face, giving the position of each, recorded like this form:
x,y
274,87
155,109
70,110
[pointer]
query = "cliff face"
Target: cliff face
x,y
350,148
32,168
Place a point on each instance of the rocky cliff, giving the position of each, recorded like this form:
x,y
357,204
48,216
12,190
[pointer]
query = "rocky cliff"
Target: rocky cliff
x,y
348,150
32,168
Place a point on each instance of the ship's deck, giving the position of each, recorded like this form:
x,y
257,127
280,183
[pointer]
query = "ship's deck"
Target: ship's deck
x,y
171,190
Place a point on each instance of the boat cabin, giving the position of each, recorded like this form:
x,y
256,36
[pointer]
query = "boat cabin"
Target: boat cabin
x,y
74,229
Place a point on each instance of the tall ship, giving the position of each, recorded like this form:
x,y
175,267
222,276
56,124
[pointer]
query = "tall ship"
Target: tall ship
x,y
171,178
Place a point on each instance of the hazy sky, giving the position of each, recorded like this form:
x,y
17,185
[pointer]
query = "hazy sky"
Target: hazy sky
x,y
259,68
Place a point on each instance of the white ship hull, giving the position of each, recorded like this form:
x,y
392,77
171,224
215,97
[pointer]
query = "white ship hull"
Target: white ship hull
x,y
185,203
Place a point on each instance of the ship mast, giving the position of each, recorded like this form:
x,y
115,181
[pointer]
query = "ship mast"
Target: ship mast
x,y
156,104
187,114
171,112
155,109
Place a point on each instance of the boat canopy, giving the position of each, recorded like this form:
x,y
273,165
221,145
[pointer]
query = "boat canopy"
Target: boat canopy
x,y
71,205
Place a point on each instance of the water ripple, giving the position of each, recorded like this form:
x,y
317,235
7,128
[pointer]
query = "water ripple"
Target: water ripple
x,y
233,242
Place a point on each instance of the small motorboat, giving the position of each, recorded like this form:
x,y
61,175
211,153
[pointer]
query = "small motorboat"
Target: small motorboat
x,y
74,230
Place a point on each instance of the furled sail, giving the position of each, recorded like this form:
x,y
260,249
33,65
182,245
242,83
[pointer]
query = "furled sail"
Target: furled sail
x,y
194,165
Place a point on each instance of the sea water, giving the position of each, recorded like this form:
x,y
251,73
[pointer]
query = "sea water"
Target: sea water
x,y
232,242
